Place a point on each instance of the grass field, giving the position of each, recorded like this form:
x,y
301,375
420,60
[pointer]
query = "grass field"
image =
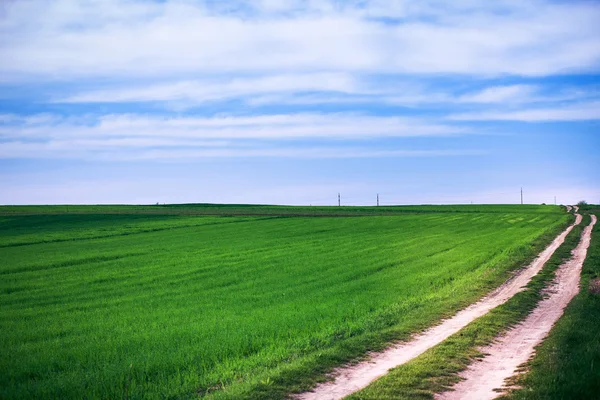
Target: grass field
x,y
267,210
167,301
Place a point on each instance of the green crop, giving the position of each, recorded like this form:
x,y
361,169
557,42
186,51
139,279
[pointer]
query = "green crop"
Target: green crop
x,y
116,303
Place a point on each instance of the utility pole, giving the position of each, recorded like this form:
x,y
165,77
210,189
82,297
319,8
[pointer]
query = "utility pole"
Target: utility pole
x,y
554,200
377,199
339,200
521,196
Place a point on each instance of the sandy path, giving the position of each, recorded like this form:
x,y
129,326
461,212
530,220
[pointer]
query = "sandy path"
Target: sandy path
x,y
568,209
483,378
352,378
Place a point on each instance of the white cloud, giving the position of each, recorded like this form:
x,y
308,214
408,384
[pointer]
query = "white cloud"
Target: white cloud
x,y
570,112
500,94
199,91
70,40
297,89
91,150
325,88
274,127
130,136
310,88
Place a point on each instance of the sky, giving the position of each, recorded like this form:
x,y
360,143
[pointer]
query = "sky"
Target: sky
x,y
293,102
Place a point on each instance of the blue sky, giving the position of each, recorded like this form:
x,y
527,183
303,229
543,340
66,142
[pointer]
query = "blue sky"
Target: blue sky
x,y
291,102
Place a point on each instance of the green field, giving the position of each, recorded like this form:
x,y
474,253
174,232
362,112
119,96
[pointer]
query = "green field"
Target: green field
x,y
235,301
266,210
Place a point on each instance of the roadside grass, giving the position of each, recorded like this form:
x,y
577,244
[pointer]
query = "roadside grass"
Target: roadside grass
x,y
567,363
437,369
226,307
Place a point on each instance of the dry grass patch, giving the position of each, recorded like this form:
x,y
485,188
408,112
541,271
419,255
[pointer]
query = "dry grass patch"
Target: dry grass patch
x,y
595,286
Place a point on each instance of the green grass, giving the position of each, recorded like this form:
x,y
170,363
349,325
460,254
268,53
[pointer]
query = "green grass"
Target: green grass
x,y
437,369
249,210
567,363
155,306
40,228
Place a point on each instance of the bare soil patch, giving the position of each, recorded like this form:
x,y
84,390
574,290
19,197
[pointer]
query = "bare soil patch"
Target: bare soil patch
x,y
595,286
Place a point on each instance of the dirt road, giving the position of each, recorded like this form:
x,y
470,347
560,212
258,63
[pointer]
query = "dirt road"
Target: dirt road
x,y
485,377
352,378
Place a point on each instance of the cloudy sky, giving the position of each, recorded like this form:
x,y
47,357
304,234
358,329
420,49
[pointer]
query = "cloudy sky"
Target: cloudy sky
x,y
291,102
